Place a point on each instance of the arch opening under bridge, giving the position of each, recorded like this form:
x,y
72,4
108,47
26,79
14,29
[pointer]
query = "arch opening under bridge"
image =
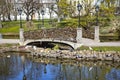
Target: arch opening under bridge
x,y
49,43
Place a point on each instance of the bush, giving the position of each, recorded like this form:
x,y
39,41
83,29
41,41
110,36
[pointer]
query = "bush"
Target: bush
x,y
56,47
68,23
72,23
118,30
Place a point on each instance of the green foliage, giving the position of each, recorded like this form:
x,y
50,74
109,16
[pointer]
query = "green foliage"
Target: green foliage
x,y
88,7
117,24
107,9
63,5
118,30
56,47
68,23
104,21
85,21
64,9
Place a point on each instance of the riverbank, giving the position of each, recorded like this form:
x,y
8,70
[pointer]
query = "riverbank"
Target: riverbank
x,y
85,55
81,55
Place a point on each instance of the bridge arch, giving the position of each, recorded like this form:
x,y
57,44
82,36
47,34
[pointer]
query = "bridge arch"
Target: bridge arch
x,y
70,44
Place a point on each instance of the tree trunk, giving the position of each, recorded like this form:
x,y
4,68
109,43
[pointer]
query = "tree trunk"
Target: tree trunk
x,y
9,18
31,17
3,17
50,15
39,16
27,17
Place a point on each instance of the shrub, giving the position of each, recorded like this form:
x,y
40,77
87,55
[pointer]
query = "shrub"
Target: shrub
x,y
56,47
68,23
118,30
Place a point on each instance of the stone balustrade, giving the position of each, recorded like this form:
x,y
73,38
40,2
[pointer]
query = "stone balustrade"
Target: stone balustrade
x,y
66,34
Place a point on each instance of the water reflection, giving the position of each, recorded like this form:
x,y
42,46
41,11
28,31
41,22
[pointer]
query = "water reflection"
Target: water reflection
x,y
17,67
114,74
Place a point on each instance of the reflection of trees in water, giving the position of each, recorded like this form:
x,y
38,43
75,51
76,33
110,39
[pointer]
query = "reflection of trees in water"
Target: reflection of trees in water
x,y
80,73
41,71
10,66
35,72
114,74
71,72
13,66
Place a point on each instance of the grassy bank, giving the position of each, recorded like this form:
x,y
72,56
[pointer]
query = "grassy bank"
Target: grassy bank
x,y
11,27
101,48
8,45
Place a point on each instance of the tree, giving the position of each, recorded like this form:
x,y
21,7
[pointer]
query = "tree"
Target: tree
x,y
107,8
39,6
8,9
1,4
118,6
62,8
29,7
87,12
14,11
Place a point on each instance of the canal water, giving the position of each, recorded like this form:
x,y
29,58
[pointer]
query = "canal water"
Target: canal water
x,y
18,66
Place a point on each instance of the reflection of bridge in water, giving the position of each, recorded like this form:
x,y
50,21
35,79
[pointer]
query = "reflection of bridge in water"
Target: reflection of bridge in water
x,y
65,36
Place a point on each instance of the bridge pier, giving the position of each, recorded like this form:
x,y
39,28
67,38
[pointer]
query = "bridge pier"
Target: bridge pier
x,y
21,36
79,35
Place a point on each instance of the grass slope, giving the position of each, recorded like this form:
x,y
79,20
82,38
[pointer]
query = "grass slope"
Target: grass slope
x,y
102,48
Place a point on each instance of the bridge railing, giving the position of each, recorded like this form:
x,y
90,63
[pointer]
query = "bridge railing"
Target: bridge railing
x,y
66,34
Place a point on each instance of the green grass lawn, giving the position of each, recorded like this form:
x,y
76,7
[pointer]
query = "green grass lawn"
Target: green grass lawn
x,y
13,29
10,27
13,26
101,48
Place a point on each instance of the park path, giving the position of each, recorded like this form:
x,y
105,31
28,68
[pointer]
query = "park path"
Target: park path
x,y
84,41
90,42
9,41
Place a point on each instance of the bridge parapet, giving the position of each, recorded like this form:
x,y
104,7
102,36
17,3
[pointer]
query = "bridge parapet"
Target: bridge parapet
x,y
66,34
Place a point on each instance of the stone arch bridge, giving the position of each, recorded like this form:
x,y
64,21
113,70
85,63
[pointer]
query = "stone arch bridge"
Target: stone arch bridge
x,y
69,36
